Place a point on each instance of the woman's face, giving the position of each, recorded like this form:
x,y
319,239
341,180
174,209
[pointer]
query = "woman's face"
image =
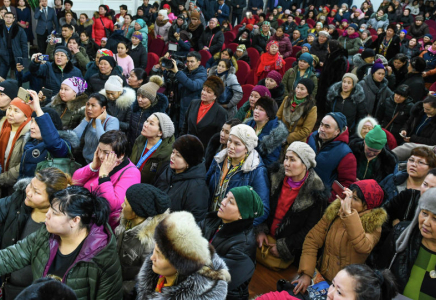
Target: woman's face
x,y
224,134
433,46
347,84
427,224
259,114
399,99
225,55
160,17
15,116
350,30
207,95
133,81
35,132
93,108
270,83
380,13
104,150
364,35
151,128
36,195
57,222
244,35
428,183
177,162
235,148
398,64
417,167
229,211
310,38
390,9
127,19
301,91
342,287
379,75
357,203
112,95
128,212
66,93
137,26
82,19
367,127
302,22
140,12
303,65
121,48
293,165
68,18
254,96
412,43
275,12
221,67
318,27
161,265
21,3
365,5
273,49
101,11
310,15
143,101
279,32
429,110
135,41
105,67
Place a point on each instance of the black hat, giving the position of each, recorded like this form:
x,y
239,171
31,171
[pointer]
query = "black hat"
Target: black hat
x,y
308,83
191,148
147,200
64,50
9,88
367,53
393,27
110,60
215,84
55,118
418,63
403,90
269,105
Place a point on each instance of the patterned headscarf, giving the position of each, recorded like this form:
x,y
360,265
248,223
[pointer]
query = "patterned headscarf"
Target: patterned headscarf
x,y
78,85
105,52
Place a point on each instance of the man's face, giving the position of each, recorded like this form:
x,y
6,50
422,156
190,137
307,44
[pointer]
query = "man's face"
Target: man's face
x,y
9,19
212,23
145,2
328,129
43,3
192,63
7,3
66,33
370,152
67,6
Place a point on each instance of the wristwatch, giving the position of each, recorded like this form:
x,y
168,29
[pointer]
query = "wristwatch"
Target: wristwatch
x,y
103,176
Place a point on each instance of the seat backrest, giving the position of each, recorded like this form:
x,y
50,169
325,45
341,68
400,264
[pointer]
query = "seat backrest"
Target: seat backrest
x,y
243,71
156,46
372,30
280,22
233,46
246,91
310,22
205,56
251,78
152,59
229,37
433,87
289,61
254,56
340,31
295,50
374,37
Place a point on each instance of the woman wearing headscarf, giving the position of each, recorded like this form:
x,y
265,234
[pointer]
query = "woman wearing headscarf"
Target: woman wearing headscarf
x,y
142,27
195,28
351,41
285,46
273,82
246,110
270,60
303,69
107,66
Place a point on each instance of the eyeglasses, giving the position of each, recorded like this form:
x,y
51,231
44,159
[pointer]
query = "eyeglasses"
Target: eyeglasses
x,y
418,162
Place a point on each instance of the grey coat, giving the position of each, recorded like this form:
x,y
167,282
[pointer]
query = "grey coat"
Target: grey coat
x,y
373,93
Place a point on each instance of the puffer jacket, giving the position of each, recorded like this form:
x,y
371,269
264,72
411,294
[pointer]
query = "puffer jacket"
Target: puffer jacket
x,y
427,135
346,240
373,93
121,108
95,274
18,43
133,246
71,112
289,81
253,173
235,243
418,31
416,84
405,20
350,43
139,56
187,190
285,45
390,183
304,30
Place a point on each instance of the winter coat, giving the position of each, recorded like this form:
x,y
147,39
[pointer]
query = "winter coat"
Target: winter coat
x,y
196,34
430,69
173,29
213,39
427,136
258,41
297,42
304,30
18,43
240,3
351,44
244,57
235,243
80,60
353,107
373,93
418,31
289,81
98,30
139,56
246,42
302,216
300,123
285,46
346,240
415,51
242,112
212,149
361,68
52,75
133,247
187,190
376,24
92,69
97,81
210,282
209,8
253,173
402,206
289,27
320,50
143,31
162,30
211,123
390,183
400,75
140,115
387,110
405,20
95,274
85,27
121,108
393,49
156,162
71,112
277,93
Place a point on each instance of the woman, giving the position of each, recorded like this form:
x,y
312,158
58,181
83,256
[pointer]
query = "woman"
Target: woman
x,y
285,46
246,110
270,60
107,66
23,213
233,90
273,21
205,116
303,28
243,38
261,37
406,18
140,26
223,54
231,233
298,199
303,69
418,29
127,24
195,28
430,69
318,28
123,59
162,25
90,46
152,149
102,23
69,20
348,98
182,259
392,14
414,78
298,112
24,20
241,54
273,82
378,20
70,102
366,38
375,87
136,78
84,24
120,100
367,10
96,122
238,165
13,128
351,41
358,17
399,65
348,232
139,219
387,44
137,51
184,179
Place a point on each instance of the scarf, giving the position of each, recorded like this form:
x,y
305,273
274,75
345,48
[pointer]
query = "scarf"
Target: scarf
x,y
225,73
307,74
248,114
269,62
384,45
296,184
353,36
4,140
160,23
295,102
193,27
430,49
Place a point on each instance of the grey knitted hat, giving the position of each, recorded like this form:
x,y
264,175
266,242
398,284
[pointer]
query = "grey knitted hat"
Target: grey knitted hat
x,y
304,152
246,134
165,124
352,76
150,89
114,84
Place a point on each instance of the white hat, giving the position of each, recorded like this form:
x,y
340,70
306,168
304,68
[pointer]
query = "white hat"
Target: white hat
x,y
114,84
246,134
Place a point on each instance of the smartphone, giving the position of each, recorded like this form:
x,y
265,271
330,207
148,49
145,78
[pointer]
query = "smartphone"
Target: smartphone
x,y
24,95
58,40
178,30
338,188
47,93
43,57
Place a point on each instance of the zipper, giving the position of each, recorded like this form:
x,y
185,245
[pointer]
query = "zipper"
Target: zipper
x,y
364,175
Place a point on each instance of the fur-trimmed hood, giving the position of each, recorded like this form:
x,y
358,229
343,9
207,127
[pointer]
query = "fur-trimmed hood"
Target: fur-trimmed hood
x,y
125,100
371,219
357,95
358,60
74,105
276,136
67,135
22,184
251,163
87,23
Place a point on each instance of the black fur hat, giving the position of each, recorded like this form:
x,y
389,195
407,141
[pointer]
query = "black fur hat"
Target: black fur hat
x,y
215,84
269,105
191,148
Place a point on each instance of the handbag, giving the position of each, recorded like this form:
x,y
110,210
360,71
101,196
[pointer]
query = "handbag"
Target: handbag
x,y
67,164
106,30
270,261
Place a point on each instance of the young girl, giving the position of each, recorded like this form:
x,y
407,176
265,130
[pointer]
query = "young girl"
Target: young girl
x,y
123,59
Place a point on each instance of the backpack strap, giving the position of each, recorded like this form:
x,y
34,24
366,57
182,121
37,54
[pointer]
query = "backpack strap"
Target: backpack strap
x,y
119,177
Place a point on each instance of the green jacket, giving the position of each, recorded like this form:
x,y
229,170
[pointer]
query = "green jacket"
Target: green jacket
x,y
71,112
155,163
242,111
351,45
289,79
96,275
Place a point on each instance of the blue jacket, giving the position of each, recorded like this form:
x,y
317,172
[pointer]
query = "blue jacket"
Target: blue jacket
x,y
253,173
430,60
91,69
18,43
389,184
224,15
254,3
51,22
209,8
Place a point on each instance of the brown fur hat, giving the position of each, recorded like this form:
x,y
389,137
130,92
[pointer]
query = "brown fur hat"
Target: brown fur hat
x,y
215,84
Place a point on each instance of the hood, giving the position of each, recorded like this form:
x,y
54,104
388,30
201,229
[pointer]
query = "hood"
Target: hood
x,y
343,137
252,162
22,184
74,105
357,95
125,100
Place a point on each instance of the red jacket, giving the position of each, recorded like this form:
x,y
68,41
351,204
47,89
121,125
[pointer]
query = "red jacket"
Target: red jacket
x,y
253,21
98,31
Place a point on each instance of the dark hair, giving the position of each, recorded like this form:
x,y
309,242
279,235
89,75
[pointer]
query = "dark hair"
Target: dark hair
x,y
86,33
281,27
432,172
372,284
83,14
123,6
426,153
359,194
125,43
9,13
233,122
334,46
262,15
69,26
401,57
102,100
194,54
68,1
54,180
131,17
117,140
47,288
75,38
69,13
228,50
430,99
140,74
226,62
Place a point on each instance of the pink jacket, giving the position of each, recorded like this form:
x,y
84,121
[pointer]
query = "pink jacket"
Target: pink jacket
x,y
114,190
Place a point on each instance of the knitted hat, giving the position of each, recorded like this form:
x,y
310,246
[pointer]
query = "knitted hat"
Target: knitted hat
x,y
404,30
403,90
429,36
287,12
181,16
320,24
215,84
266,23
246,134
367,53
274,75
372,192
377,66
110,60
249,202
191,149
269,105
308,83
315,59
364,26
241,47
307,45
195,14
165,124
64,50
352,76
138,35
55,118
305,153
331,26
114,84
147,200
418,63
307,58
311,34
27,111
324,33
164,13
344,21
340,119
376,138
262,90
9,88
149,90
77,84
354,26
419,18
105,52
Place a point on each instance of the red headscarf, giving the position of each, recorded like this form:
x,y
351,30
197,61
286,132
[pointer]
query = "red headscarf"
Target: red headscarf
x,y
269,61
372,192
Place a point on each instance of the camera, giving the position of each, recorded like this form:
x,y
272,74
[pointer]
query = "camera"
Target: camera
x,y
168,64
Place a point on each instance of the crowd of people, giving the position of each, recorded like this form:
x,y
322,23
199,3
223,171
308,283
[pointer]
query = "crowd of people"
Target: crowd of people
x,y
124,176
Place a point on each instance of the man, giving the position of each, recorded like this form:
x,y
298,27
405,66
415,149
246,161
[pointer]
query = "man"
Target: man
x,y
146,9
255,5
209,8
68,4
8,91
46,23
334,158
289,25
319,47
67,33
190,82
238,7
212,38
223,11
296,39
13,44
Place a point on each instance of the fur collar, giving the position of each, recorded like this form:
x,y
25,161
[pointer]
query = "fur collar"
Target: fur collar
x,y
371,219
14,29
22,184
276,136
357,95
67,135
212,71
74,105
125,100
251,163
359,62
87,23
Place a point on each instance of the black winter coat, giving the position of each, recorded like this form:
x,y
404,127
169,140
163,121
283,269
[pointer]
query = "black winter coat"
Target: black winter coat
x,y
418,32
241,3
406,20
235,243
277,93
428,133
415,51
259,42
393,49
139,56
212,149
196,34
187,190
400,74
213,39
97,81
319,50
402,206
417,86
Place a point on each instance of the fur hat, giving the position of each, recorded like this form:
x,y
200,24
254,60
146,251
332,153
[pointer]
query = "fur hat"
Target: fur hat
x,y
246,134
195,14
9,88
191,149
150,89
181,242
269,105
418,63
419,18
305,153
114,84
274,75
165,124
367,53
147,200
215,84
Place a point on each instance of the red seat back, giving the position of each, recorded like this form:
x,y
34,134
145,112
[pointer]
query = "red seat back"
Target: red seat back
x,y
246,91
310,22
243,71
297,20
433,87
372,30
340,31
374,37
251,77
152,59
156,46
280,22
289,61
295,50
229,36
254,56
233,46
205,56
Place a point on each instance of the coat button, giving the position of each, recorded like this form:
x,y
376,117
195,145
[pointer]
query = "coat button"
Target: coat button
x,y
13,240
